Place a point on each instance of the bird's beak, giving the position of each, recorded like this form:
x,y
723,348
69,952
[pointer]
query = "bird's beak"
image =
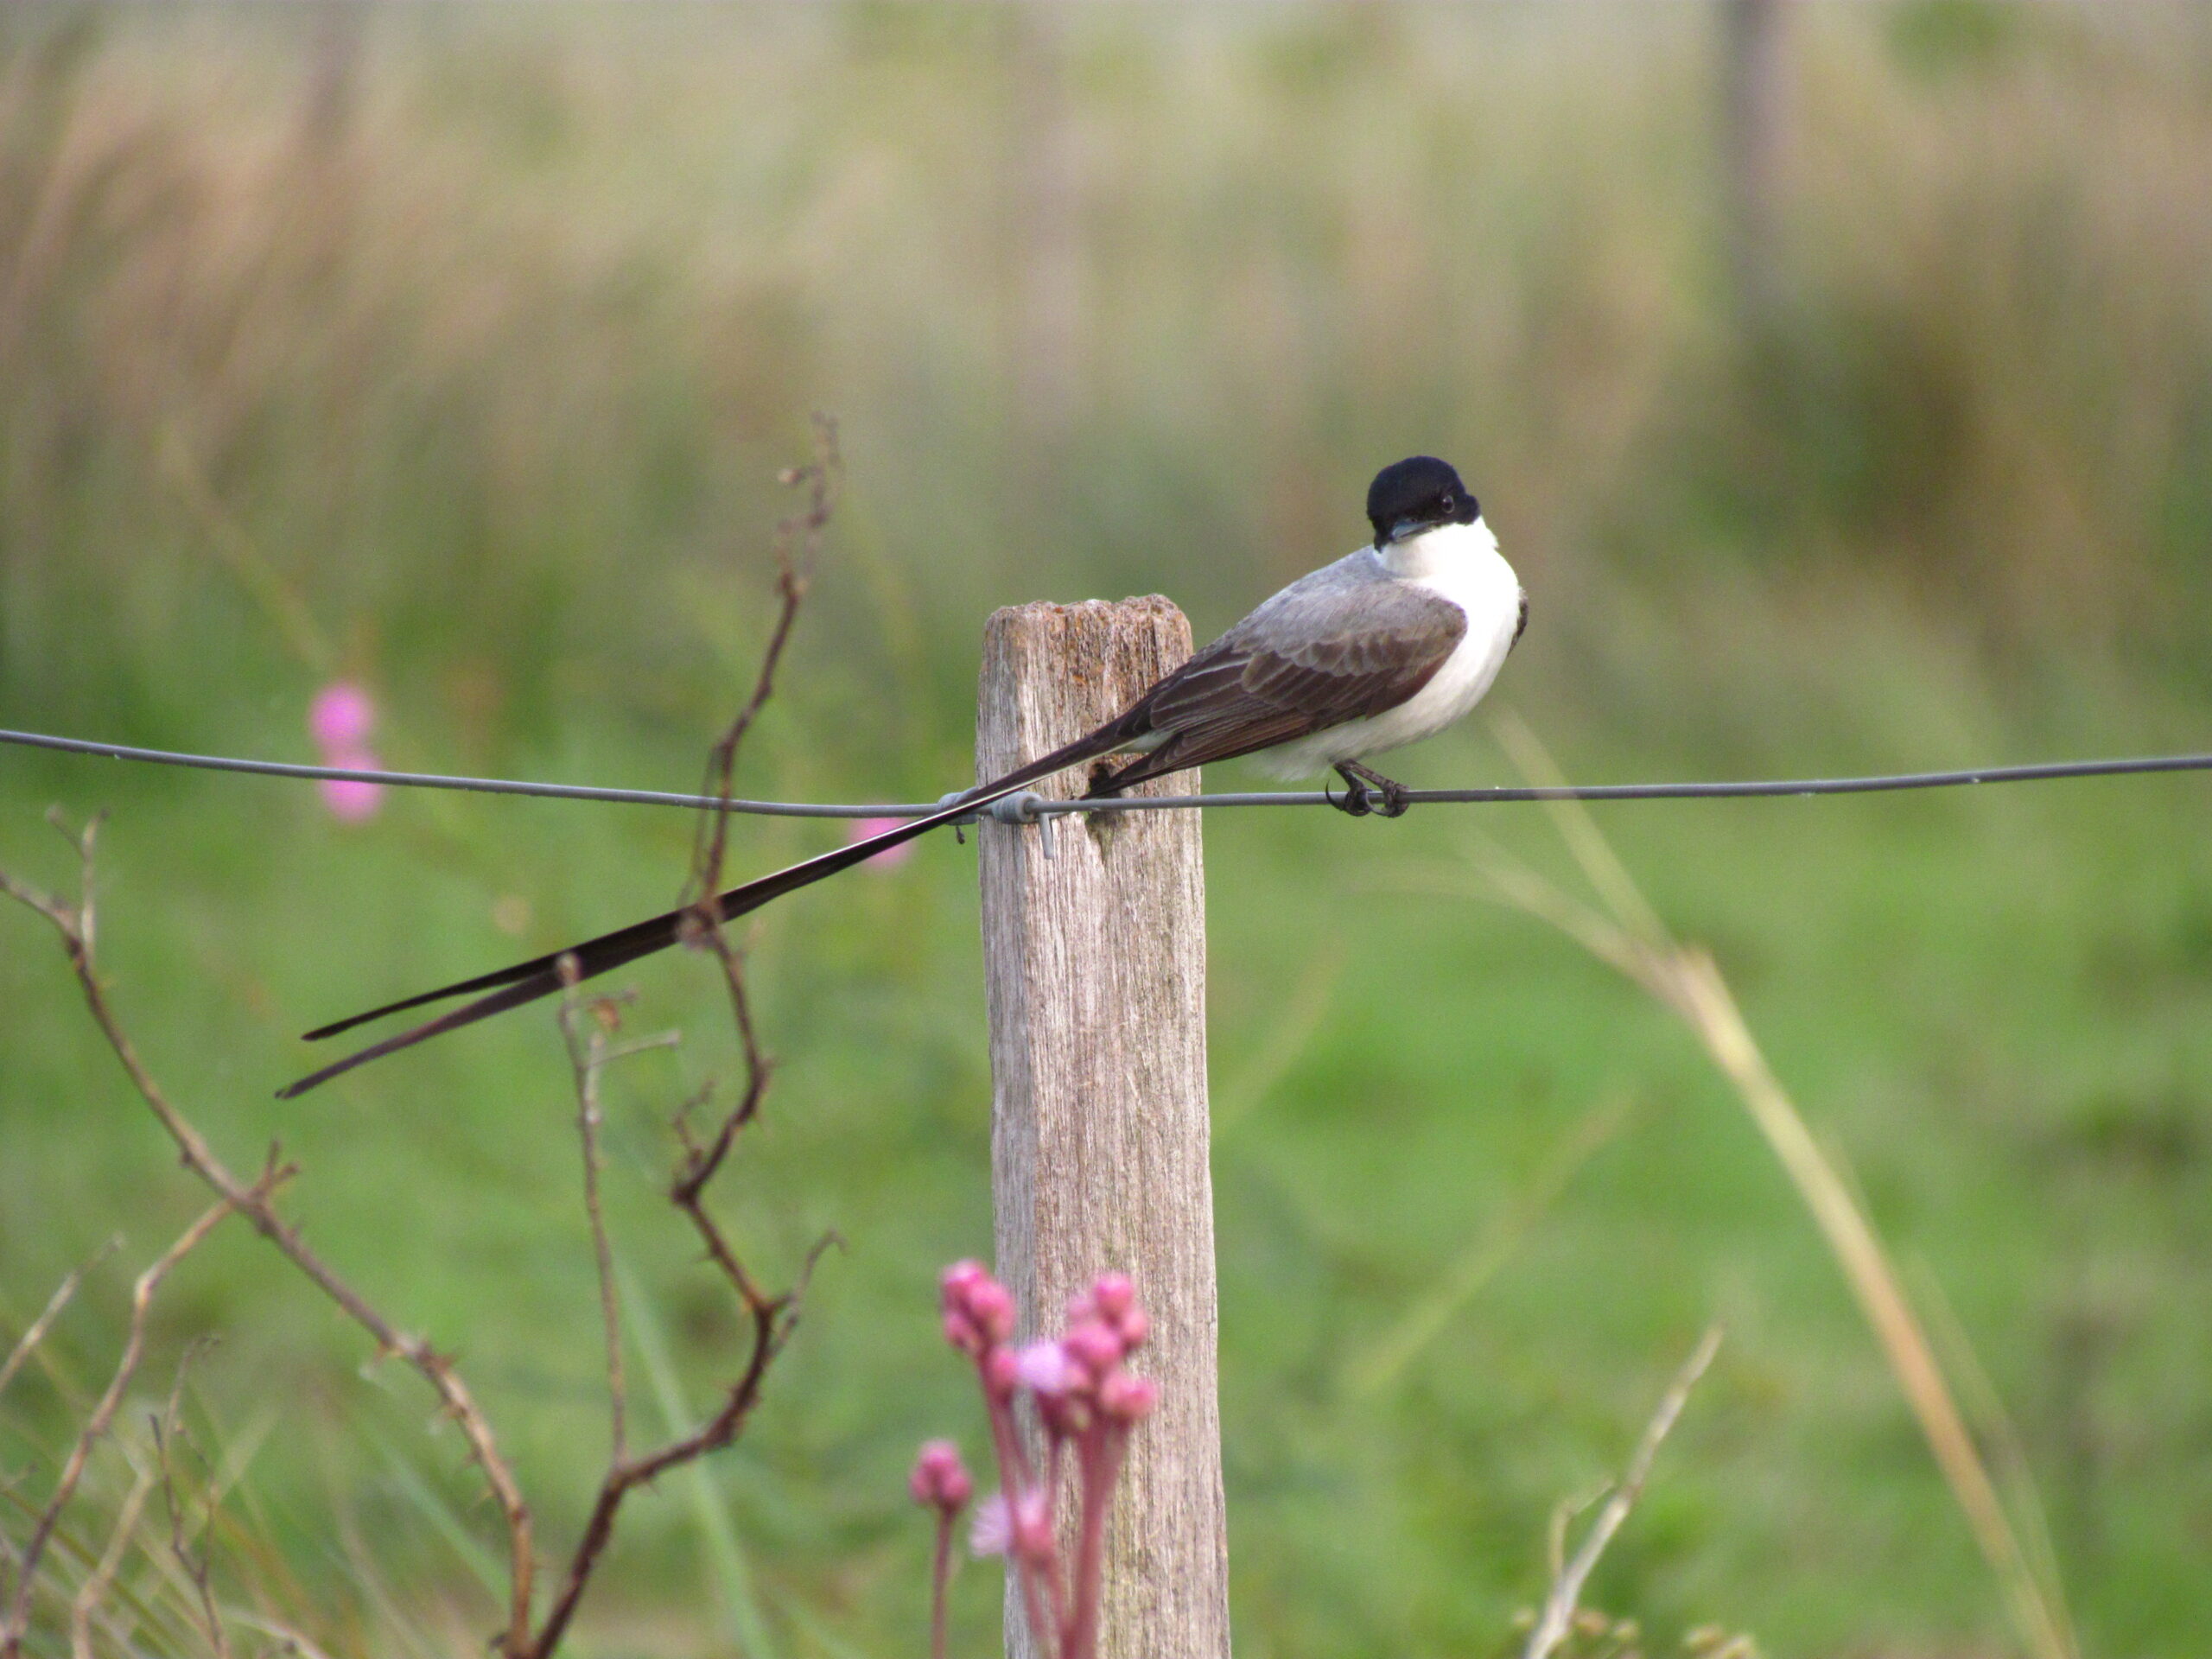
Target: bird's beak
x,y
1404,528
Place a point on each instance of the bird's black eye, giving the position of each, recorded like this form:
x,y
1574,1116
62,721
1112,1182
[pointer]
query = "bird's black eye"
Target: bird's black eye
x,y
1450,502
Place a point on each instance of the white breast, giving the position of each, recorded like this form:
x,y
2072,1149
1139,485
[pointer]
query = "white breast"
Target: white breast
x,y
1462,563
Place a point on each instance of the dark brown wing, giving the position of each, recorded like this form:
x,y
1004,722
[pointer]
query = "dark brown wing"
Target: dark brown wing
x,y
1332,649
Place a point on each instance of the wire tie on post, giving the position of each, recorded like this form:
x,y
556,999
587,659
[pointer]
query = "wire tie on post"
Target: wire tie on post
x,y
960,824
1022,808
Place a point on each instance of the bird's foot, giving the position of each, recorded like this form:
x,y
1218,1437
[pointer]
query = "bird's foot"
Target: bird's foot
x,y
1367,791
1355,802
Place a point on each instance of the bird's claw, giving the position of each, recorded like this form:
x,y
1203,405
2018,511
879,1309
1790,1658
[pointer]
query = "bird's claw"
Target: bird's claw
x,y
1366,793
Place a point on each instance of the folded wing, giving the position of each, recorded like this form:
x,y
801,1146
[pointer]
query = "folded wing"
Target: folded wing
x,y
1339,646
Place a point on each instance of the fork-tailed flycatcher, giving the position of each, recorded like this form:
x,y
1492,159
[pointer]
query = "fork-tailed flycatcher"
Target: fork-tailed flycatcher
x,y
1382,648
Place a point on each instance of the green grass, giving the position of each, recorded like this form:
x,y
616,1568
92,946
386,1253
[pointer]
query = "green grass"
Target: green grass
x,y
483,403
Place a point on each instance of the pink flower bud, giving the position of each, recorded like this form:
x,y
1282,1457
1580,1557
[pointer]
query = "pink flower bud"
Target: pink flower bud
x,y
958,1277
1045,1370
1000,1372
978,1312
891,857
1126,1399
1033,1538
1133,1327
991,1305
940,1480
1093,1347
341,717
1113,1295
351,800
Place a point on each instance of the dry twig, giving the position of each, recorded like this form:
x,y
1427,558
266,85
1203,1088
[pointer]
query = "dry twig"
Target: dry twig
x,y
17,1624
771,1316
93,1591
1552,1625
77,927
1628,934
798,540
195,1564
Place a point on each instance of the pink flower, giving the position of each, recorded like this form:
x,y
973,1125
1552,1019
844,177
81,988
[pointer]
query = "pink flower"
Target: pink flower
x,y
1113,1303
940,1480
1093,1347
341,718
1033,1537
351,800
1045,1370
990,1532
1126,1399
890,857
978,1310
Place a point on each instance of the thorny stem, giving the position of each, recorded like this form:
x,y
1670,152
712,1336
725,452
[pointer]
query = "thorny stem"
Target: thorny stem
x,y
772,1317
76,925
798,540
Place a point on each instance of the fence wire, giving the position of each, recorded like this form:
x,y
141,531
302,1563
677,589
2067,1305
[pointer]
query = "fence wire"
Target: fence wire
x,y
2038,771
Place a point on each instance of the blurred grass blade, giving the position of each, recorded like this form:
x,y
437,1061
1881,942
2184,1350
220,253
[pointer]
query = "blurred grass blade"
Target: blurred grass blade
x,y
1993,1423
486,1568
733,1573
2036,1607
1633,939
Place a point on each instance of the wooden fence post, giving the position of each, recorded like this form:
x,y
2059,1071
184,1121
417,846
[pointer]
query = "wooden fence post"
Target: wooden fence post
x,y
1094,959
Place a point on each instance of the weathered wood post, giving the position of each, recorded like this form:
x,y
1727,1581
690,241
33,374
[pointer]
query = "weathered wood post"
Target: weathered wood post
x,y
1095,961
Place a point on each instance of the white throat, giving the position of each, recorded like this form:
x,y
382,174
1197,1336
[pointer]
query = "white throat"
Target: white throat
x,y
1447,550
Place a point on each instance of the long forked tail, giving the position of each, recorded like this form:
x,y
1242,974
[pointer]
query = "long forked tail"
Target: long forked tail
x,y
526,982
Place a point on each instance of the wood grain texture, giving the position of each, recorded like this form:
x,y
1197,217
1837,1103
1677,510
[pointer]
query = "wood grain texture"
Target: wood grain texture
x,y
1095,967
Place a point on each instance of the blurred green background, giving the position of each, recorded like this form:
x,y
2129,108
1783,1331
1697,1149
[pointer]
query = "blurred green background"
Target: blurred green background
x,y
455,350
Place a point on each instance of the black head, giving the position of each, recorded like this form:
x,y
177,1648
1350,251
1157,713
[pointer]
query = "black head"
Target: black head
x,y
1417,494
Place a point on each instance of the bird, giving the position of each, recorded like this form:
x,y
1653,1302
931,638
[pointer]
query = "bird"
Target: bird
x,y
1388,646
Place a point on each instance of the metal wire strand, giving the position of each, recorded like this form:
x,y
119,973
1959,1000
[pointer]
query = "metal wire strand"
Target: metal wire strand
x,y
2039,771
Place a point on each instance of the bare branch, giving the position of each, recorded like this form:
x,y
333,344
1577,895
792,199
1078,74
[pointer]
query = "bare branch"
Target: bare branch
x,y
75,925
1567,1585
35,1333
798,540
772,1317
